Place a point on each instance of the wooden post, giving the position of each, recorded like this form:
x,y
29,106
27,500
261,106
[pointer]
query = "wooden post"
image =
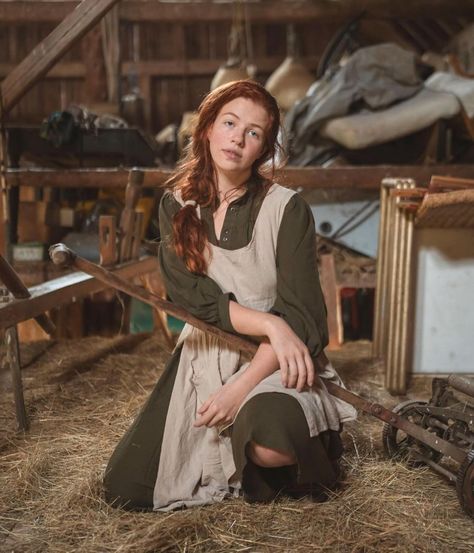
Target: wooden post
x,y
137,236
5,196
108,240
95,84
333,300
127,220
13,357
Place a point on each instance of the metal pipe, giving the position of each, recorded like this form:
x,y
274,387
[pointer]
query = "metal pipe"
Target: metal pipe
x,y
435,466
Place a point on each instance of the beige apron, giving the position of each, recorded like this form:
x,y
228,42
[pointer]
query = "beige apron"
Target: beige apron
x,y
196,465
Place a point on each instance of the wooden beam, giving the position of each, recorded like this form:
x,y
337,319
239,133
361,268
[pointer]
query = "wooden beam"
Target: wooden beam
x,y
95,85
65,70
271,11
163,68
366,177
204,67
84,178
13,359
65,289
45,55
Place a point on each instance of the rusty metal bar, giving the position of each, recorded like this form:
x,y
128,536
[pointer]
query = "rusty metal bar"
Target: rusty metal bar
x,y
462,384
385,415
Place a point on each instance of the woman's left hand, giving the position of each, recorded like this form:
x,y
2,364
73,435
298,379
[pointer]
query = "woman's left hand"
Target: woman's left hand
x,y
222,406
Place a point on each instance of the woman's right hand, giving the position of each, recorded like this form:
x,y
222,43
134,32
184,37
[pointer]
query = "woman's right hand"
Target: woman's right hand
x,y
296,365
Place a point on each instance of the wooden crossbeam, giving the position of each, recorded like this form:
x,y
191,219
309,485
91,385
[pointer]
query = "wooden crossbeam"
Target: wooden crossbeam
x,y
361,177
45,55
271,11
65,289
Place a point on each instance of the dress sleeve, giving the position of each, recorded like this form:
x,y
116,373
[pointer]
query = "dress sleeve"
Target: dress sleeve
x,y
200,295
300,300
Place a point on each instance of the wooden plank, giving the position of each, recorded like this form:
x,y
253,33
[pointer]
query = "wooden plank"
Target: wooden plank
x,y
15,285
278,10
45,55
137,234
332,299
163,68
13,358
108,240
127,218
189,66
364,177
449,183
65,289
95,85
64,70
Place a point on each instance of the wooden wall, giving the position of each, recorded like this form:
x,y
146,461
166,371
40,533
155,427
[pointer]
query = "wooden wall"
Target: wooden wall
x,y
174,61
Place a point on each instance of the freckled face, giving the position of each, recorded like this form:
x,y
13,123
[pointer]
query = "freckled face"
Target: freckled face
x,y
237,137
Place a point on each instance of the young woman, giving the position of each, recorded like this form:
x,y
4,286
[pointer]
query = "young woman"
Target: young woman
x,y
238,251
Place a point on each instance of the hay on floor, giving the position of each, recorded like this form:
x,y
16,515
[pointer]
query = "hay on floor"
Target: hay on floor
x,y
50,479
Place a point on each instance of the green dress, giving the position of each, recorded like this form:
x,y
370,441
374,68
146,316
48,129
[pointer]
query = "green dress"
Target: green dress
x,y
270,419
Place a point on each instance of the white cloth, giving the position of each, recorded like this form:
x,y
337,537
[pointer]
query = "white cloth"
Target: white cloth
x,y
369,128
461,87
196,464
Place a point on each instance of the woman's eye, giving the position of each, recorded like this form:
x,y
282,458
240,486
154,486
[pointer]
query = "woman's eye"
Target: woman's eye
x,y
254,134
228,123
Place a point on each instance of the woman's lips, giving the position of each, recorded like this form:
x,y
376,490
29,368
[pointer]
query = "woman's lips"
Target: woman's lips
x,y
232,155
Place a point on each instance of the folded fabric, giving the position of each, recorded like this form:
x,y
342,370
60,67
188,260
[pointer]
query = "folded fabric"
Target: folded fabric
x,y
375,76
369,128
461,87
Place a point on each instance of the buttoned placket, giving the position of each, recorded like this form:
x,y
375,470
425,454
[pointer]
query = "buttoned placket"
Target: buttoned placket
x,y
226,231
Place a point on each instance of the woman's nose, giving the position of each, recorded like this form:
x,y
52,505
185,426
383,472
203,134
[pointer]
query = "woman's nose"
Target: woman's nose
x,y
238,137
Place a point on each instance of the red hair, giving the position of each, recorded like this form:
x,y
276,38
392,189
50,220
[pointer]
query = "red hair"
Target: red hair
x,y
194,178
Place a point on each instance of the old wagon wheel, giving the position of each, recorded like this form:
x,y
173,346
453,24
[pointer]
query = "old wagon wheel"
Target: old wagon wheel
x,y
465,483
398,445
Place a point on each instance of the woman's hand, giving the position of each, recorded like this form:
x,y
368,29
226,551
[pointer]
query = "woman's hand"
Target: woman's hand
x,y
221,407
296,365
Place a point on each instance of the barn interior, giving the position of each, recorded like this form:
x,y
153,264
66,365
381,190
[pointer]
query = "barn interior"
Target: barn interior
x,y
97,104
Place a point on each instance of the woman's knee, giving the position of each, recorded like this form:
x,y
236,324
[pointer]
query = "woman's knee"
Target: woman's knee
x,y
266,457
122,491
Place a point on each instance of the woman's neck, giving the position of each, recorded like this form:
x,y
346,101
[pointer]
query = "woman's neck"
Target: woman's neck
x,y
228,182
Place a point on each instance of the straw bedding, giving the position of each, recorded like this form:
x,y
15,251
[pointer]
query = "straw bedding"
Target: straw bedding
x,y
50,478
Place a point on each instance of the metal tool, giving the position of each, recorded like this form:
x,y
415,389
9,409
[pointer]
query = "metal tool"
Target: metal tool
x,y
448,416
443,427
